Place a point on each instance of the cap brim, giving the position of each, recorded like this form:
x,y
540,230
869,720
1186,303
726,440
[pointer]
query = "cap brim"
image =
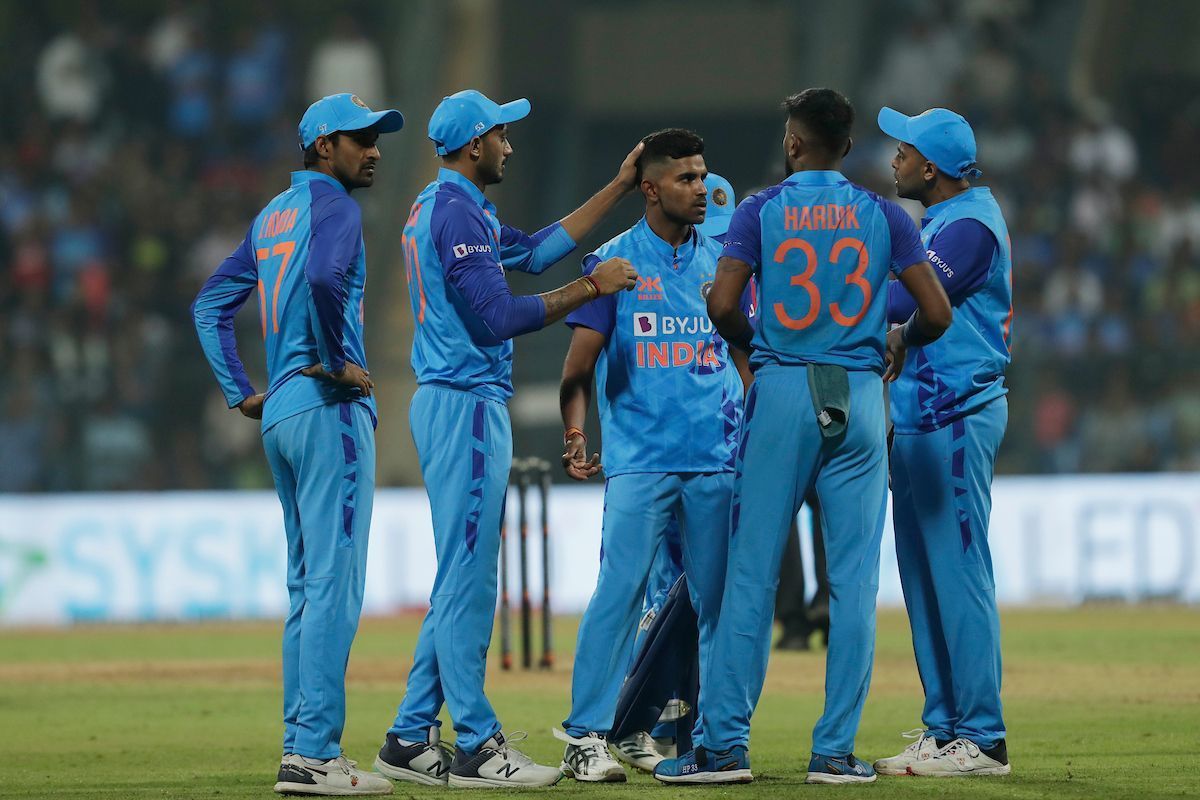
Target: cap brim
x,y
387,121
513,111
894,124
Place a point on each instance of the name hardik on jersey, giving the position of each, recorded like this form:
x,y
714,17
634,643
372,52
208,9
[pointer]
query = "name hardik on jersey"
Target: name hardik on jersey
x,y
821,247
670,399
305,255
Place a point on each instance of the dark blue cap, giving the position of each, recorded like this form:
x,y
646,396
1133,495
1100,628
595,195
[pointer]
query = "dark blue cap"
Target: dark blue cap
x,y
942,136
464,115
344,112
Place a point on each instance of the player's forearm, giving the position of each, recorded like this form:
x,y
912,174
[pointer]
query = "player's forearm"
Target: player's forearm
x,y
574,397
565,299
580,222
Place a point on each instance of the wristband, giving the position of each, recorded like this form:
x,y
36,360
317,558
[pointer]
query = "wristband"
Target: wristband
x,y
569,432
595,287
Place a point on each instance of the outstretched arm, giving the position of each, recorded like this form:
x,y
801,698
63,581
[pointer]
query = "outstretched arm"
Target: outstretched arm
x,y
537,253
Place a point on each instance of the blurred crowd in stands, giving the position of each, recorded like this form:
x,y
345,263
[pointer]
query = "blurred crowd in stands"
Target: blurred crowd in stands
x,y
140,152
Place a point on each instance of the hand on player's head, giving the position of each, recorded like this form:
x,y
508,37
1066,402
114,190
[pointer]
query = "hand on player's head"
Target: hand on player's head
x,y
615,275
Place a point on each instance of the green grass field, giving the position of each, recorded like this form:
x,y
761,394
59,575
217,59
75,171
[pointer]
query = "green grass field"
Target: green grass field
x,y
1100,702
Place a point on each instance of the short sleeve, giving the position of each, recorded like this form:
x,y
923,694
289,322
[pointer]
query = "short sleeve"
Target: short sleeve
x,y
906,239
743,240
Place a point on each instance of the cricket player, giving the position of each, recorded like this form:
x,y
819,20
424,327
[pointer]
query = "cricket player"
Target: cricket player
x,y
821,249
950,409
304,253
456,250
643,749
670,403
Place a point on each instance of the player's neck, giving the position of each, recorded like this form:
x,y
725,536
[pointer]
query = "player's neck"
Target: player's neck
x,y
672,232
468,171
944,190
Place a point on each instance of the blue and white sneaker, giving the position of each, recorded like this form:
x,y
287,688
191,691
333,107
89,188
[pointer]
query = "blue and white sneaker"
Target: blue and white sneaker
x,y
838,769
706,766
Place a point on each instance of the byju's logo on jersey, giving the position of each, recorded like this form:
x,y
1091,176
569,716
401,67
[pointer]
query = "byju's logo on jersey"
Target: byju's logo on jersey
x,y
464,250
645,324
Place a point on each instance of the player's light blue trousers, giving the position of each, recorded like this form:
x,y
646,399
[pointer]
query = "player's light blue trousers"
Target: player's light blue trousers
x,y
941,503
323,462
637,508
665,569
464,442
782,455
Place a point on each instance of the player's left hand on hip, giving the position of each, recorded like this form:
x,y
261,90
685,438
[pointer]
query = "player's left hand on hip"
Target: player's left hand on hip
x,y
252,406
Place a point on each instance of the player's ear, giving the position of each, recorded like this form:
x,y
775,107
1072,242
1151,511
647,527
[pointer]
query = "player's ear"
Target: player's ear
x,y
849,147
649,190
475,148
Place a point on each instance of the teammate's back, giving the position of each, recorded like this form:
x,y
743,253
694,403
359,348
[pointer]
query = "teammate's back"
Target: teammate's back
x,y
821,248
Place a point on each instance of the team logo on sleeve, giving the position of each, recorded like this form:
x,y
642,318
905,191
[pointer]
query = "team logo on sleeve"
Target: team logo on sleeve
x,y
645,324
464,250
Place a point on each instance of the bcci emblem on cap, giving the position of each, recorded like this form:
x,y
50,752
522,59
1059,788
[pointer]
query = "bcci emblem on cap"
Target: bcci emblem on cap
x,y
719,197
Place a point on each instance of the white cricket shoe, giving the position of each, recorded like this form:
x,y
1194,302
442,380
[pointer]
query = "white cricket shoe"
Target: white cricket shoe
x,y
667,746
426,762
639,751
586,758
338,776
497,764
924,748
959,759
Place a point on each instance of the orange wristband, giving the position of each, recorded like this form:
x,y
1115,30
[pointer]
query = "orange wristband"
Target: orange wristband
x,y
569,432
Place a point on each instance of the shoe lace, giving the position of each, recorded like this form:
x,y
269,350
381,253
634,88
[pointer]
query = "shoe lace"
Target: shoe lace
x,y
436,744
344,764
591,746
645,741
512,754
961,744
915,733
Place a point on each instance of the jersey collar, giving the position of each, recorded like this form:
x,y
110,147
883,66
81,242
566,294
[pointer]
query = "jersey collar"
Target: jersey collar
x,y
468,188
663,249
815,177
310,175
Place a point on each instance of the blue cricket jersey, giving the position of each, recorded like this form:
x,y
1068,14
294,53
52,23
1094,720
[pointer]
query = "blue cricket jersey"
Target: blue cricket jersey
x,y
670,399
821,247
305,255
456,251
964,369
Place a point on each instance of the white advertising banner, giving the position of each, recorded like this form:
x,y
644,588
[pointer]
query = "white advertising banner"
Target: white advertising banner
x,y
181,556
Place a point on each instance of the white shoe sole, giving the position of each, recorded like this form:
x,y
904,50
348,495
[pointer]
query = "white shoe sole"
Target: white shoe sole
x,y
612,776
1004,769
401,774
323,790
460,782
728,776
890,771
825,777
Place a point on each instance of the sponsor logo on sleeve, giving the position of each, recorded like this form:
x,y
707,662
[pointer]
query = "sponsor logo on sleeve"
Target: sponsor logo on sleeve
x,y
464,250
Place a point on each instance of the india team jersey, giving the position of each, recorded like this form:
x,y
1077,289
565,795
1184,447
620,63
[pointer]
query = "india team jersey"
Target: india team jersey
x,y
305,255
453,242
821,248
670,399
964,369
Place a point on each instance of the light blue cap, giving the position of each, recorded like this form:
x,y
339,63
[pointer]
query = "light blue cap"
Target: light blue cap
x,y
344,112
942,136
721,203
464,115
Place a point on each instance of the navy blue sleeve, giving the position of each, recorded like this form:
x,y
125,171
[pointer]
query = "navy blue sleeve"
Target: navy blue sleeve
x,y
743,240
464,245
962,254
213,312
906,239
600,314
335,241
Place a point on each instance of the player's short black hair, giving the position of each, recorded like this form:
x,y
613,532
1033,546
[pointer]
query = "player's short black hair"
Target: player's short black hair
x,y
667,144
310,153
824,113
